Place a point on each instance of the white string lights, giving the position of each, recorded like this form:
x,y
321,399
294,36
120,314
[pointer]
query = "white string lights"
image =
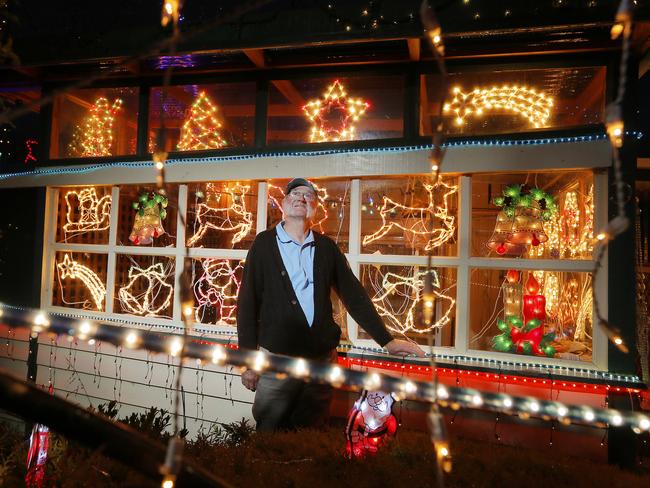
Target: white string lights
x,y
94,213
227,216
433,222
217,288
157,294
453,397
72,269
530,103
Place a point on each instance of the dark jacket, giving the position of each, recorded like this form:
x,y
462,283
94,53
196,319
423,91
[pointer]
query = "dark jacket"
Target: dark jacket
x,y
269,314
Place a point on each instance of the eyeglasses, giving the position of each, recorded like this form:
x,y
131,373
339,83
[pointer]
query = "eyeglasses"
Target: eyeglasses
x,y
308,196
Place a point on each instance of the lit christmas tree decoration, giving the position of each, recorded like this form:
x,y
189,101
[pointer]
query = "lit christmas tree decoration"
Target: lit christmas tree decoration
x,y
531,104
72,269
336,104
201,128
95,136
157,294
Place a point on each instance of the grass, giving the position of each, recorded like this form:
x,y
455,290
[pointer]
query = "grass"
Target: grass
x,y
315,459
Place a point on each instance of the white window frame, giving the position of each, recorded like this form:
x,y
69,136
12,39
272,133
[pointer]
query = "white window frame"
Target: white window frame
x,y
463,263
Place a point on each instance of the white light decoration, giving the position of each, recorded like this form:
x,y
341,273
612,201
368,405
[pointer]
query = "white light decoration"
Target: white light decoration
x,y
94,213
335,101
410,288
617,420
432,222
260,361
157,295
336,376
507,402
531,104
131,339
72,269
589,416
372,381
223,214
300,368
442,392
219,355
175,346
477,400
217,288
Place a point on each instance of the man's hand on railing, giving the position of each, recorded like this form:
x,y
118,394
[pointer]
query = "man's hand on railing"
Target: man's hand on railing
x,y
399,347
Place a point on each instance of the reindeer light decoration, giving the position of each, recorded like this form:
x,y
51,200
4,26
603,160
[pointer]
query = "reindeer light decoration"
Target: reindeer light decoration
x,y
432,222
230,215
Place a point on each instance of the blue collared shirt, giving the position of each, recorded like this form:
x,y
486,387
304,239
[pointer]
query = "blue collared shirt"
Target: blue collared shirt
x,y
298,260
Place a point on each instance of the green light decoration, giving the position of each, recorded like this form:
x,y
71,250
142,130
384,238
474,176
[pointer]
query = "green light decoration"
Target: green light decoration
x,y
526,339
522,196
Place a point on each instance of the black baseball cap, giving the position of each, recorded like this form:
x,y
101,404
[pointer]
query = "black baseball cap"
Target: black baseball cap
x,y
296,182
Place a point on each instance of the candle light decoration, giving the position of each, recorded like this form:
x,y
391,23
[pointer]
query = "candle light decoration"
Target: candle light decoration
x,y
534,302
335,102
151,212
519,223
512,294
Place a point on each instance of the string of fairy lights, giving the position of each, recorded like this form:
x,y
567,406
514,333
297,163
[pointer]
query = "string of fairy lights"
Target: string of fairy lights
x,y
404,388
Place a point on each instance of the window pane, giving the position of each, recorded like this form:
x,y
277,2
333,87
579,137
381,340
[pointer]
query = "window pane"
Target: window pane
x,y
216,286
503,304
409,215
144,286
146,217
514,101
84,215
343,109
199,117
222,215
95,122
332,216
396,292
80,280
533,215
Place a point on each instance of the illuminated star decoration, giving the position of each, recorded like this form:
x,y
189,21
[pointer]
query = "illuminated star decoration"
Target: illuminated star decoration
x,y
201,128
231,216
432,222
217,288
96,136
533,105
157,295
276,194
74,270
410,288
30,153
335,102
95,213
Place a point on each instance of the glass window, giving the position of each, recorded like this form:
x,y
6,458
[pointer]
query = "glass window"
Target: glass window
x,y
533,215
144,285
216,286
396,292
19,139
514,100
95,122
222,215
533,313
335,109
332,216
147,217
84,215
409,215
80,280
201,117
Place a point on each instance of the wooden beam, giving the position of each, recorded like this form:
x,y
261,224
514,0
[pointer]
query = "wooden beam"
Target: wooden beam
x,y
256,56
414,49
425,116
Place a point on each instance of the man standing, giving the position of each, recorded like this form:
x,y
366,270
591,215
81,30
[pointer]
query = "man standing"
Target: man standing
x,y
284,307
